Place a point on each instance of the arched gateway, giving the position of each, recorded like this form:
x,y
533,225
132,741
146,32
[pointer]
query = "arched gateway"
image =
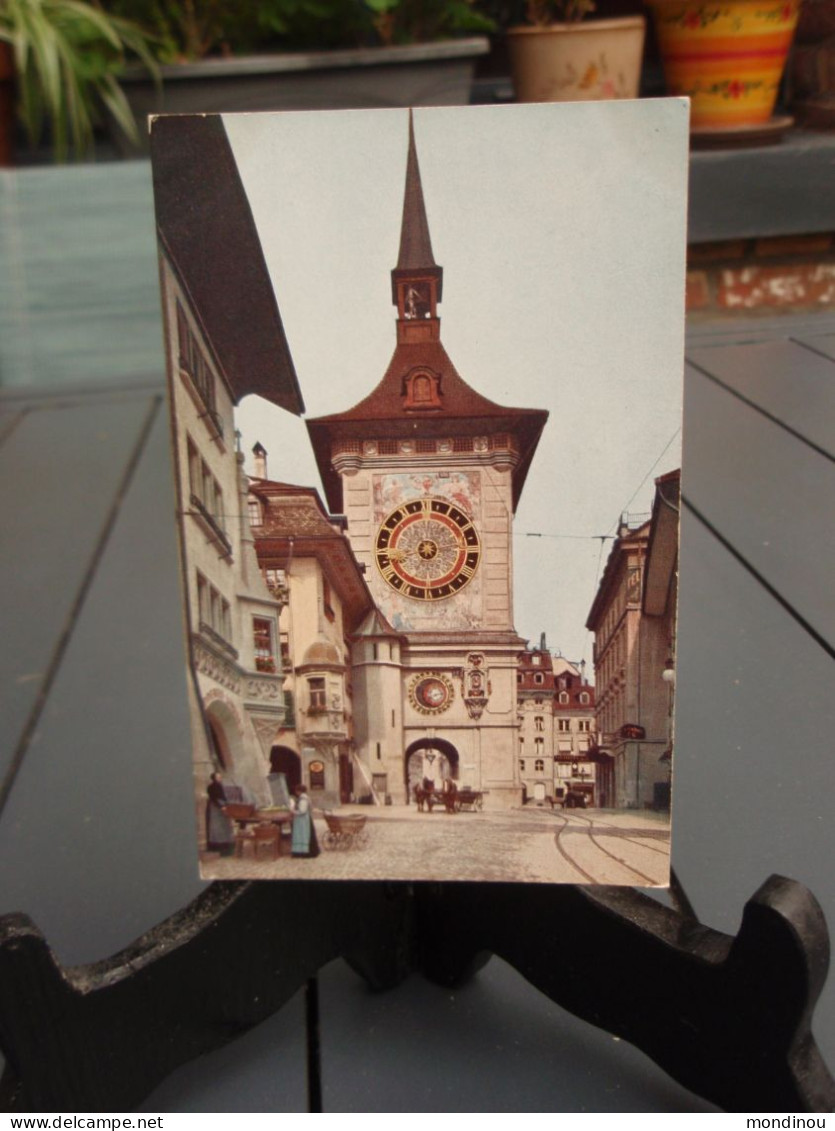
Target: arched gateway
x,y
285,761
432,759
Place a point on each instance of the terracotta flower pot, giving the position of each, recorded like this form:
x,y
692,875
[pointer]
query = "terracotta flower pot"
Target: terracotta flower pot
x,y
577,62
727,56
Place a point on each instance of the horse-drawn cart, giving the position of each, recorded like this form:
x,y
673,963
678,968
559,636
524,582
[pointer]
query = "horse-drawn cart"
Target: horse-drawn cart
x,y
346,830
450,800
469,801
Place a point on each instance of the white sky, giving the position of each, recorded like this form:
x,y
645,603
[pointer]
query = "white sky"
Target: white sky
x,y
561,231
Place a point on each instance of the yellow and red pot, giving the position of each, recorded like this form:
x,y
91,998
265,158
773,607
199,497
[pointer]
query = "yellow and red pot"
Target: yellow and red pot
x,y
728,57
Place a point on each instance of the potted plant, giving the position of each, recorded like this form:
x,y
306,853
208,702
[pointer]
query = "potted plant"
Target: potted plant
x,y
558,56
305,54
67,56
812,65
727,56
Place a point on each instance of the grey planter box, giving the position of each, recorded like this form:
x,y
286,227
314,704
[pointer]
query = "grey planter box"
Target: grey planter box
x,y
423,74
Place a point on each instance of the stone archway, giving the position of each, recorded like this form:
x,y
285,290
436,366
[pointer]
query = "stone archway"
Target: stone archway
x,y
285,761
225,735
429,758
219,745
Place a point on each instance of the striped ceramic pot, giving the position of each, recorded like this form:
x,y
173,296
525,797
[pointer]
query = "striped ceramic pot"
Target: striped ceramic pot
x,y
728,57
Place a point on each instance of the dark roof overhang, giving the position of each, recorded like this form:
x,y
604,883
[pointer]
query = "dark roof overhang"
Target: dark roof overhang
x,y
208,234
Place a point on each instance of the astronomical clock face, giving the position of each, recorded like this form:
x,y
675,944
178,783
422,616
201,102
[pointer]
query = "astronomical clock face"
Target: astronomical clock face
x,y
431,693
427,549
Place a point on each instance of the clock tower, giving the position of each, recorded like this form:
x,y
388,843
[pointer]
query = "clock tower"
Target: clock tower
x,y
428,473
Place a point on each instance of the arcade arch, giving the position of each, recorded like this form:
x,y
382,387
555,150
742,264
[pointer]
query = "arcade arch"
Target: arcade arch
x,y
432,759
285,761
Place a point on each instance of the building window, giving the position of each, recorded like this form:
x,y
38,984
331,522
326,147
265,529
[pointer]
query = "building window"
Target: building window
x,y
326,599
522,765
256,517
536,660
584,697
540,745
206,497
563,725
422,389
263,636
539,766
289,709
215,615
202,598
519,677
316,692
563,697
539,678
539,722
193,363
584,725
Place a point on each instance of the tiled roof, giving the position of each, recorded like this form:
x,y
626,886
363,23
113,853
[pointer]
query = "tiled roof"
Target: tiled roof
x,y
463,412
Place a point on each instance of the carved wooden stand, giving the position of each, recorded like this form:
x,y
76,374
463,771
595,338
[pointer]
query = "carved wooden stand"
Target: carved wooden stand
x,y
727,1017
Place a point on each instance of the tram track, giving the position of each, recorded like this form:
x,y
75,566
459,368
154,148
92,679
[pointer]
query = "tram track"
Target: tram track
x,y
588,825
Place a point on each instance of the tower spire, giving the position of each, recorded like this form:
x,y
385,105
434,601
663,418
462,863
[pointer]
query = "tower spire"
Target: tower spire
x,y
415,242
417,279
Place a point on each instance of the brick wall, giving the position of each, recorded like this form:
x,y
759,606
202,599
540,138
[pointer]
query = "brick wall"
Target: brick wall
x,y
761,276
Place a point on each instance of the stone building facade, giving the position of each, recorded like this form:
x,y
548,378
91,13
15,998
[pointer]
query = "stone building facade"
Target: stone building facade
x,y
308,565
213,360
633,619
556,728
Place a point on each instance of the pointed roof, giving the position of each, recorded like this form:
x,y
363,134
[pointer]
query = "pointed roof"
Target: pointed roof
x,y
296,525
386,413
415,242
463,412
415,254
375,625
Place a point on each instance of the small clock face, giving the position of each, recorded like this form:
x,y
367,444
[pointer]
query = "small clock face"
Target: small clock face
x,y
427,549
431,693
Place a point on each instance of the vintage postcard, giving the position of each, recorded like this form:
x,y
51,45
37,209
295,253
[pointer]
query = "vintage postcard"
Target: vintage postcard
x,y
425,377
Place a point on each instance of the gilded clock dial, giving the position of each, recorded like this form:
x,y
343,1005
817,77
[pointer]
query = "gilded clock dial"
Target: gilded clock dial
x,y
427,549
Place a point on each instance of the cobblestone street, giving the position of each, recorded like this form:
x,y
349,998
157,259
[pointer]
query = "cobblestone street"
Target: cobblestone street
x,y
534,845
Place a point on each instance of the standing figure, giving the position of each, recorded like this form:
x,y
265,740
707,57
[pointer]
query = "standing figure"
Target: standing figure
x,y
220,832
304,841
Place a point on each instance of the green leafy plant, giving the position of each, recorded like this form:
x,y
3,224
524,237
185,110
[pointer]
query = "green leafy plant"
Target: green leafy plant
x,y
186,30
193,29
541,13
419,21
68,55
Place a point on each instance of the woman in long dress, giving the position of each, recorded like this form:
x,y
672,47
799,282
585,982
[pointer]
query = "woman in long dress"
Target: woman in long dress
x,y
220,832
304,841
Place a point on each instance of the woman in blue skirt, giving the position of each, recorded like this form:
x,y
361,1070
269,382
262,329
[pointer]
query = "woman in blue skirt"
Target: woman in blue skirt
x,y
304,831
